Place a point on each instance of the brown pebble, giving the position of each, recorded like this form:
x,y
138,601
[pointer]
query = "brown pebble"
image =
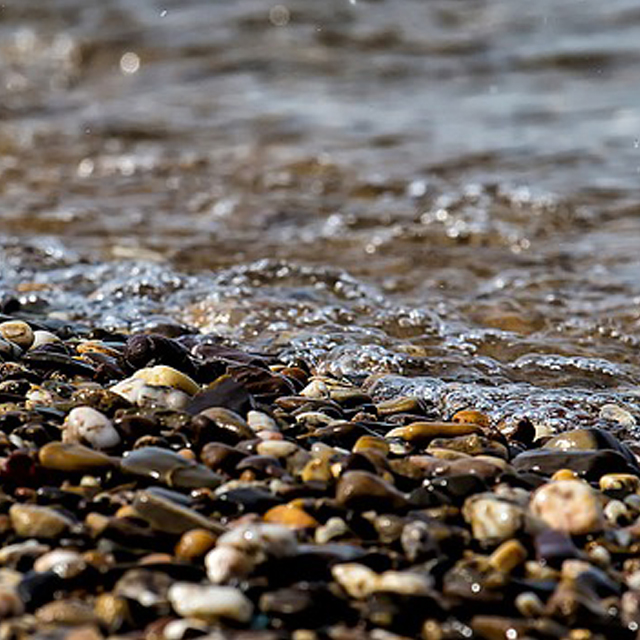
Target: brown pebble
x,y
66,612
362,490
64,456
421,433
195,544
508,556
471,416
365,443
32,521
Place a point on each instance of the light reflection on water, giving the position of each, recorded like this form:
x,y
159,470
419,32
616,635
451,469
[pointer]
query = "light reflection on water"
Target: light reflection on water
x,y
446,190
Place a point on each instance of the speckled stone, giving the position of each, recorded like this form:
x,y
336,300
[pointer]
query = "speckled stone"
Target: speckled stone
x,y
571,506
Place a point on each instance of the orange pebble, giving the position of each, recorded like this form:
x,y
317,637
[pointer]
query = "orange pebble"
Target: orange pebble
x,y
290,516
194,544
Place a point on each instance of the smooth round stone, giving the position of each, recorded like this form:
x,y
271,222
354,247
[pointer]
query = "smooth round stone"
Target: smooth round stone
x,y
371,443
32,521
85,425
18,332
276,448
315,389
588,464
61,456
225,563
421,433
618,414
64,562
622,482
163,376
332,529
361,490
359,581
508,556
229,421
402,404
210,602
260,421
570,506
472,416
112,610
492,519
138,392
589,439
290,516
261,540
195,543
473,444
66,613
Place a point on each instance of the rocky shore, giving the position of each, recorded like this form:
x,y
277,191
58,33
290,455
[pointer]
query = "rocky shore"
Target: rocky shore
x,y
169,486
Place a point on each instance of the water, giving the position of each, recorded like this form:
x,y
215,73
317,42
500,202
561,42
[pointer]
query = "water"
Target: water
x,y
442,194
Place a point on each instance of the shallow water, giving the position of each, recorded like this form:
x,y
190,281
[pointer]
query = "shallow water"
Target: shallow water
x,y
442,192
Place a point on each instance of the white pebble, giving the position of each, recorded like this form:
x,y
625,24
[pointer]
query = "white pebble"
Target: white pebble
x,y
64,562
259,421
18,332
41,337
225,562
568,505
261,540
85,425
210,602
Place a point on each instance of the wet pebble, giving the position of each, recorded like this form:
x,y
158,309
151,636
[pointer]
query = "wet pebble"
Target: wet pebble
x,y
85,425
571,506
210,602
32,521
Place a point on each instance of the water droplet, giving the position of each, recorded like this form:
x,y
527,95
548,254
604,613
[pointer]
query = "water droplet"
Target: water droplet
x,y
130,63
279,15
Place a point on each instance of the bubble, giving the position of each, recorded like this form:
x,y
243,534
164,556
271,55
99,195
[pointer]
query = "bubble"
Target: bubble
x,y
279,15
130,63
86,167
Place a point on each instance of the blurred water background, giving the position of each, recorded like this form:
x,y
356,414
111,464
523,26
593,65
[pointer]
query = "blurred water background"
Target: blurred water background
x,y
444,193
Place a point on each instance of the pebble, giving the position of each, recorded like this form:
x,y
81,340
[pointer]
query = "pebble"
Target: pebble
x,y
142,394
69,457
210,602
41,337
18,332
618,414
85,425
225,563
570,506
32,521
164,376
360,581
64,562
492,519
66,613
290,516
194,544
243,511
421,433
171,517
362,490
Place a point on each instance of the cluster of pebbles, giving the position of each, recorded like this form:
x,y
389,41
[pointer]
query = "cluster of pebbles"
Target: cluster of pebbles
x,y
165,486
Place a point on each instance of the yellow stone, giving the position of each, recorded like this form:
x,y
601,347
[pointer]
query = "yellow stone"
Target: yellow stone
x,y
164,376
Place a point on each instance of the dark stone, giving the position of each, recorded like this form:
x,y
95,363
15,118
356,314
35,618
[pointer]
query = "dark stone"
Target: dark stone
x,y
589,464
